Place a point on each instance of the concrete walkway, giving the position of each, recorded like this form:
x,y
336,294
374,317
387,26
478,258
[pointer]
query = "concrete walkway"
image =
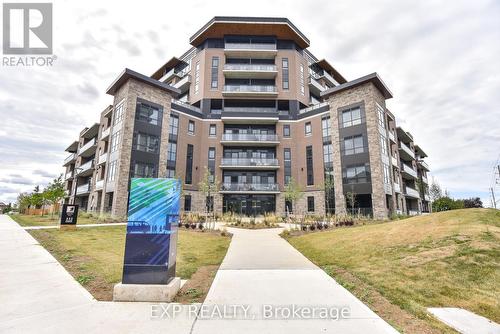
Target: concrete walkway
x,y
267,275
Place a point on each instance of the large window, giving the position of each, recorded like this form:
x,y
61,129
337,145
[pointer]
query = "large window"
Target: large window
x,y
387,174
189,164
383,145
325,126
309,165
301,80
212,131
285,75
115,141
310,203
286,130
351,117
187,203
173,127
146,142
211,163
197,77
112,171
354,145
118,114
191,127
172,151
215,72
327,154
381,116
287,165
356,174
148,114
308,128
141,169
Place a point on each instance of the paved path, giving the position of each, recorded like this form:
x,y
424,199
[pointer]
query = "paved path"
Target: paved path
x,y
464,321
262,271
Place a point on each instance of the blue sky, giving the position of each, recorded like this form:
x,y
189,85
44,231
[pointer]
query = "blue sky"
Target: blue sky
x,y
440,59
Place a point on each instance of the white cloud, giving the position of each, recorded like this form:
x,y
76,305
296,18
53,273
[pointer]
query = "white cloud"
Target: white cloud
x,y
440,60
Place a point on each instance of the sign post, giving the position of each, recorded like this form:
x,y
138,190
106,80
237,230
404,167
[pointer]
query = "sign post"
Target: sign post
x,y
69,215
151,241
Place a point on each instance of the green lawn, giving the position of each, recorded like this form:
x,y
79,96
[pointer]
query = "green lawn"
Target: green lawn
x,y
443,259
48,220
94,255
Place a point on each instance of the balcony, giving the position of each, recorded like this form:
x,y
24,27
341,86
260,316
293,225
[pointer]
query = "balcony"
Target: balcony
x,y
392,136
250,90
69,175
424,180
250,71
84,189
105,134
249,163
327,77
322,105
99,185
174,73
315,87
410,192
250,50
407,172
69,159
183,84
249,115
413,213
397,188
423,164
394,161
405,152
85,169
88,149
249,188
102,159
249,139
181,105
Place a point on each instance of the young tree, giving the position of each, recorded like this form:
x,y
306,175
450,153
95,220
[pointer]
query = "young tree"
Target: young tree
x,y
23,202
54,192
36,198
328,187
209,185
435,191
351,199
293,192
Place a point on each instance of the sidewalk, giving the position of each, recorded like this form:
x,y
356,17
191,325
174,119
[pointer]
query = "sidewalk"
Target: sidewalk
x,y
261,269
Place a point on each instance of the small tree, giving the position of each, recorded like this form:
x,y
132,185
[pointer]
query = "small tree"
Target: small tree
x,y
473,203
54,192
36,198
435,191
23,202
351,199
209,185
293,192
328,187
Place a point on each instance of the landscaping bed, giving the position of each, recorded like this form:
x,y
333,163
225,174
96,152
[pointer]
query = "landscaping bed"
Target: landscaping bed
x,y
94,257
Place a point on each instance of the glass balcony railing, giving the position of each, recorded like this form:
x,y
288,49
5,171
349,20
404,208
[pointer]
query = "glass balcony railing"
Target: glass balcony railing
x,y
249,187
407,150
423,164
411,192
249,162
409,170
69,175
99,184
250,67
250,109
85,167
83,189
87,146
105,133
70,158
103,158
250,89
250,46
397,188
243,137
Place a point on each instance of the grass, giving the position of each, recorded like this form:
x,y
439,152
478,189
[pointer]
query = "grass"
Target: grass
x,y
48,220
446,259
94,255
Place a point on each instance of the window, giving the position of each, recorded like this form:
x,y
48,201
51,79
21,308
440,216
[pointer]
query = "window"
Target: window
x,y
357,174
211,163
381,116
215,72
141,169
288,206
191,127
351,117
212,131
286,130
302,86
387,174
170,172
310,203
172,152
353,145
285,75
115,141
118,114
287,165
112,171
146,142
327,154
197,77
309,165
383,145
148,114
325,126
189,164
173,127
187,203
308,128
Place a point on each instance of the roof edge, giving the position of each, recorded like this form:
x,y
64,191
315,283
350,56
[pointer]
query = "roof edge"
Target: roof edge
x,y
129,74
373,78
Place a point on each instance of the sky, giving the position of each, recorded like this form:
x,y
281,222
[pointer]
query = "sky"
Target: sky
x,y
440,59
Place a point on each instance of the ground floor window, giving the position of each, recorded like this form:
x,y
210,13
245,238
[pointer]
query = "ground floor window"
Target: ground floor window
x,y
187,203
288,206
310,203
249,205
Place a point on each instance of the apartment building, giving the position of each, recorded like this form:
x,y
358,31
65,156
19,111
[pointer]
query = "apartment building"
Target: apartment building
x,y
249,102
